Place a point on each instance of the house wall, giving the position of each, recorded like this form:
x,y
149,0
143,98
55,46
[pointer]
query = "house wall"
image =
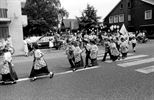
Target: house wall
x,y
137,12
15,26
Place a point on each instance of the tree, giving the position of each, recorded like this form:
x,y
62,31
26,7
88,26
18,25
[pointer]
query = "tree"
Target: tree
x,y
89,18
63,13
42,16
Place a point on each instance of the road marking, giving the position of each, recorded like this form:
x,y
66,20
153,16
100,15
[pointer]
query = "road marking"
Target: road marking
x,y
109,61
23,79
62,73
139,62
146,70
128,58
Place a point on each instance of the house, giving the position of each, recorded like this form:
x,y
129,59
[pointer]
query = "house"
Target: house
x,y
70,24
12,22
136,15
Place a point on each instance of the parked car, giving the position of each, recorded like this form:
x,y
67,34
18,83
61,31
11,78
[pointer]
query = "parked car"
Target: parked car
x,y
43,42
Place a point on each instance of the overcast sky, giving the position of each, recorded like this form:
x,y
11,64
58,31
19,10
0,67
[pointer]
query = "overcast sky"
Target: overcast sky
x,y
75,7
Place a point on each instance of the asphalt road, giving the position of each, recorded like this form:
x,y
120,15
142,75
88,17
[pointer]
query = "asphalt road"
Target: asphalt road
x,y
109,81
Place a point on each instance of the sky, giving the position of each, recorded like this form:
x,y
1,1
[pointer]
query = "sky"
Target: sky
x,y
75,7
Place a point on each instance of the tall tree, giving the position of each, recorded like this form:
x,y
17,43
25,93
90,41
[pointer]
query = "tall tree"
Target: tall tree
x,y
42,16
88,19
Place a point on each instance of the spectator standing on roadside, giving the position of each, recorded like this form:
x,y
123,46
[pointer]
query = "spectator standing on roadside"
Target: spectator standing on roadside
x,y
51,42
9,41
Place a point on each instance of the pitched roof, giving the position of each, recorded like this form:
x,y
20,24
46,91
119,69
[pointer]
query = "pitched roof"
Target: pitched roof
x,y
149,1
71,23
113,9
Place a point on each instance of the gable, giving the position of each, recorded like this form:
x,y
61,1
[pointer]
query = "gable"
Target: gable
x,y
70,23
118,4
149,1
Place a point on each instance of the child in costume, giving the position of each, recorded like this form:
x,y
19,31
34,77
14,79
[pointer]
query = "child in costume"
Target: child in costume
x,y
93,53
77,56
8,73
39,65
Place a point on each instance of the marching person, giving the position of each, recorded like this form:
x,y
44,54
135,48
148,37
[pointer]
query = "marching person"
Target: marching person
x,y
70,55
39,67
114,51
107,48
87,49
8,73
124,48
93,53
134,42
77,56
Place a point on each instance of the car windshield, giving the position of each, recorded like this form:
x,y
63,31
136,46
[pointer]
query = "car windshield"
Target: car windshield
x,y
45,39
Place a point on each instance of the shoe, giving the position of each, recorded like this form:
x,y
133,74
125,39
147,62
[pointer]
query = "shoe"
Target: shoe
x,y
74,69
85,66
51,74
33,79
13,82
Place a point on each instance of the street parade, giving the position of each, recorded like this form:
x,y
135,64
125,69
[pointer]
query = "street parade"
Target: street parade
x,y
77,50
116,45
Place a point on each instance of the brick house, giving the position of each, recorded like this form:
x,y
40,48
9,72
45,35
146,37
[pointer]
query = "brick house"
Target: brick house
x,y
135,14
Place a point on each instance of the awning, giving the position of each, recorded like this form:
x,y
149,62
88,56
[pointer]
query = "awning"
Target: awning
x,y
5,20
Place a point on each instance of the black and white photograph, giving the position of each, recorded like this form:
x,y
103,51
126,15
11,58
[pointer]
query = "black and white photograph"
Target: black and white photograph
x,y
76,49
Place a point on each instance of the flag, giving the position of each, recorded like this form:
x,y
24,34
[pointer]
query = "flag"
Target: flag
x,y
124,32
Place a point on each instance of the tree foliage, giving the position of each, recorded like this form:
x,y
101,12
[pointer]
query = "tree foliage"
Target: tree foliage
x,y
42,16
88,19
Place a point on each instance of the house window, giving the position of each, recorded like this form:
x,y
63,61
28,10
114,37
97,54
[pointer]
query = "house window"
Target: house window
x,y
116,19
4,31
121,18
111,19
129,4
129,17
121,6
3,13
148,14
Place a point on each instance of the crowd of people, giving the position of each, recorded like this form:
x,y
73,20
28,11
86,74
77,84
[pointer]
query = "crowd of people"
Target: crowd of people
x,y
39,67
116,45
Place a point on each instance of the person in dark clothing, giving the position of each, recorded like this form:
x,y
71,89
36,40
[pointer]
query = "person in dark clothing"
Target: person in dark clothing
x,y
39,67
107,49
87,49
93,53
8,73
70,55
